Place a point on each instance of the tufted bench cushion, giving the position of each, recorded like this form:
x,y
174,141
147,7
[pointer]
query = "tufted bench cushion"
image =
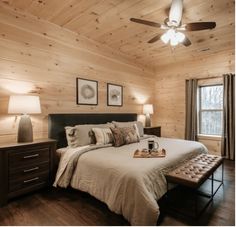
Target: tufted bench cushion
x,y
195,171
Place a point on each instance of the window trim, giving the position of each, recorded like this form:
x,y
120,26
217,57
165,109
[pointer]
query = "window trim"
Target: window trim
x,y
200,110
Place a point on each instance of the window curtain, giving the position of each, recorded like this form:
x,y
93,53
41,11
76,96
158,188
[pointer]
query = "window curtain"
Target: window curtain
x,y
191,110
228,137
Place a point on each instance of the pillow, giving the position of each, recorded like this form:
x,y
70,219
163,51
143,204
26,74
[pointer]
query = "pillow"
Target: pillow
x,y
130,135
72,136
124,136
129,124
84,134
118,137
137,131
103,135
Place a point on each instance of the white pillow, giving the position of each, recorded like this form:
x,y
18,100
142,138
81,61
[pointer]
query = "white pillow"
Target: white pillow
x,y
103,135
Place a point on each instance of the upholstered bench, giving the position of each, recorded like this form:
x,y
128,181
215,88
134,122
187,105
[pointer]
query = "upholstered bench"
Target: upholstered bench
x,y
194,173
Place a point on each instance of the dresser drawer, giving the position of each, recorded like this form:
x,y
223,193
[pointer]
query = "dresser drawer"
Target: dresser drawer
x,y
28,181
28,157
28,170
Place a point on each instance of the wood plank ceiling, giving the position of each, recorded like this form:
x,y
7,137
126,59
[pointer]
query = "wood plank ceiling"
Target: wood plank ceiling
x,y
107,22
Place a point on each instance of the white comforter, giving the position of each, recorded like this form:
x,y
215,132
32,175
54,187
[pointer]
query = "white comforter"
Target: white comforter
x,y
129,186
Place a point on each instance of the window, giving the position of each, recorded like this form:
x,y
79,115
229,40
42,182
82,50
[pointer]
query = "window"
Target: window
x,y
210,109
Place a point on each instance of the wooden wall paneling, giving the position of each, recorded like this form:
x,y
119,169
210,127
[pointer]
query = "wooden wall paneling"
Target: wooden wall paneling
x,y
120,17
170,92
73,11
122,31
28,73
107,22
63,62
22,4
90,14
48,56
51,8
60,35
49,67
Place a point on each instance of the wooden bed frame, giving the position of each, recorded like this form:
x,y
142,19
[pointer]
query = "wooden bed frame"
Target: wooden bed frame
x,y
57,122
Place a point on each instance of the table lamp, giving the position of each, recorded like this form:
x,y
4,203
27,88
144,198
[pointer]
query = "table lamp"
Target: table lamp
x,y
24,104
147,110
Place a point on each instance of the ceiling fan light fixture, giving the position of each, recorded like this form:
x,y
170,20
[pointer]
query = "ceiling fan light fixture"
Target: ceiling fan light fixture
x,y
174,41
165,38
173,24
171,33
175,14
180,37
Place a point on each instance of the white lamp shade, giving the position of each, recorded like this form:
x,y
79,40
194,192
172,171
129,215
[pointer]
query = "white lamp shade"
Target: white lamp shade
x,y
148,109
24,104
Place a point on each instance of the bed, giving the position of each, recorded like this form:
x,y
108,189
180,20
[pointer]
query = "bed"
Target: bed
x,y
129,186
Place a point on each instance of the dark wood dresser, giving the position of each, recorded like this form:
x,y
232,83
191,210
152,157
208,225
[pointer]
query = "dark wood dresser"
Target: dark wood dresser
x,y
156,130
25,167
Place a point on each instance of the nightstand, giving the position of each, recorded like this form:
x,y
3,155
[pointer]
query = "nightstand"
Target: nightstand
x,y
25,167
153,131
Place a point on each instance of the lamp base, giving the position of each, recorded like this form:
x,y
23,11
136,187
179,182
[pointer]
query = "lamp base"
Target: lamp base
x,y
148,121
25,130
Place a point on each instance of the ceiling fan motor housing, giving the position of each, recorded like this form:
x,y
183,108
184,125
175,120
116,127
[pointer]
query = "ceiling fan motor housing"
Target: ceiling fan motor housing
x,y
175,14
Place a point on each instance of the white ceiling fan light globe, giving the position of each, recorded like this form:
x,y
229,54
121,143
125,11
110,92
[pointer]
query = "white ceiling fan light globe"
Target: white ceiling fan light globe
x,y
165,38
180,36
176,10
174,41
171,33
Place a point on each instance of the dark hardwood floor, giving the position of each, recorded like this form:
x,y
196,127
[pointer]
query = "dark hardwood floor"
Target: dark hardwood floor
x,y
70,207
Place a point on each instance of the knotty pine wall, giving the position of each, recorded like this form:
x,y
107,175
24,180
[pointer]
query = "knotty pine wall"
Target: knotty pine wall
x,y
170,92
40,58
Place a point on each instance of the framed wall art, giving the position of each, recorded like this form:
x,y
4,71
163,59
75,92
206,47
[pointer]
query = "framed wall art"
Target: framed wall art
x,y
86,92
114,95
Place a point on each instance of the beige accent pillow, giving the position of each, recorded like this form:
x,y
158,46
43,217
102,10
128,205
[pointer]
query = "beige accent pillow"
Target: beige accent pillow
x,y
103,136
118,137
83,135
125,135
137,131
130,135
72,136
129,124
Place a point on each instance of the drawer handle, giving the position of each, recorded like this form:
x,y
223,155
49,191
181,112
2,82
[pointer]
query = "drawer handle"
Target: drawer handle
x,y
31,156
31,180
30,170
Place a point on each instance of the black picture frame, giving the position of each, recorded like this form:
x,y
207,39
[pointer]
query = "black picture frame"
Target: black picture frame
x,y
91,90
112,87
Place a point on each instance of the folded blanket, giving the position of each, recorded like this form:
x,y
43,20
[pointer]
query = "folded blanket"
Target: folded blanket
x,y
69,161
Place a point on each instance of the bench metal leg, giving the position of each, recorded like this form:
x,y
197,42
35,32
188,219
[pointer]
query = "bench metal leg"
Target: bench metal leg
x,y
199,193
212,185
196,205
222,171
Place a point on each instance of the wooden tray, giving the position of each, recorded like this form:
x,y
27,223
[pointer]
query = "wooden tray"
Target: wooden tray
x,y
160,153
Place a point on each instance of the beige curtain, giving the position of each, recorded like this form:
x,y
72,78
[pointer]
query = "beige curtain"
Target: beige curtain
x,y
228,138
191,110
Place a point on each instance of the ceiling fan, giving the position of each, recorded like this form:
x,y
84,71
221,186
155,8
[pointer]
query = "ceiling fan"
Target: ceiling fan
x,y
174,26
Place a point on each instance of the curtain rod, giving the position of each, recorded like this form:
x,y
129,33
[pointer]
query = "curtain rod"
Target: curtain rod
x,y
205,78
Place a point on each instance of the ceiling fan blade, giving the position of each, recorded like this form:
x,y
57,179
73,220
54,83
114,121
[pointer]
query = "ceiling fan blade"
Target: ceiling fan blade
x,y
154,39
146,22
186,42
196,26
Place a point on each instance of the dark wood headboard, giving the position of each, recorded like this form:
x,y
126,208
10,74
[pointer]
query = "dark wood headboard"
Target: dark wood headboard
x,y
57,122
